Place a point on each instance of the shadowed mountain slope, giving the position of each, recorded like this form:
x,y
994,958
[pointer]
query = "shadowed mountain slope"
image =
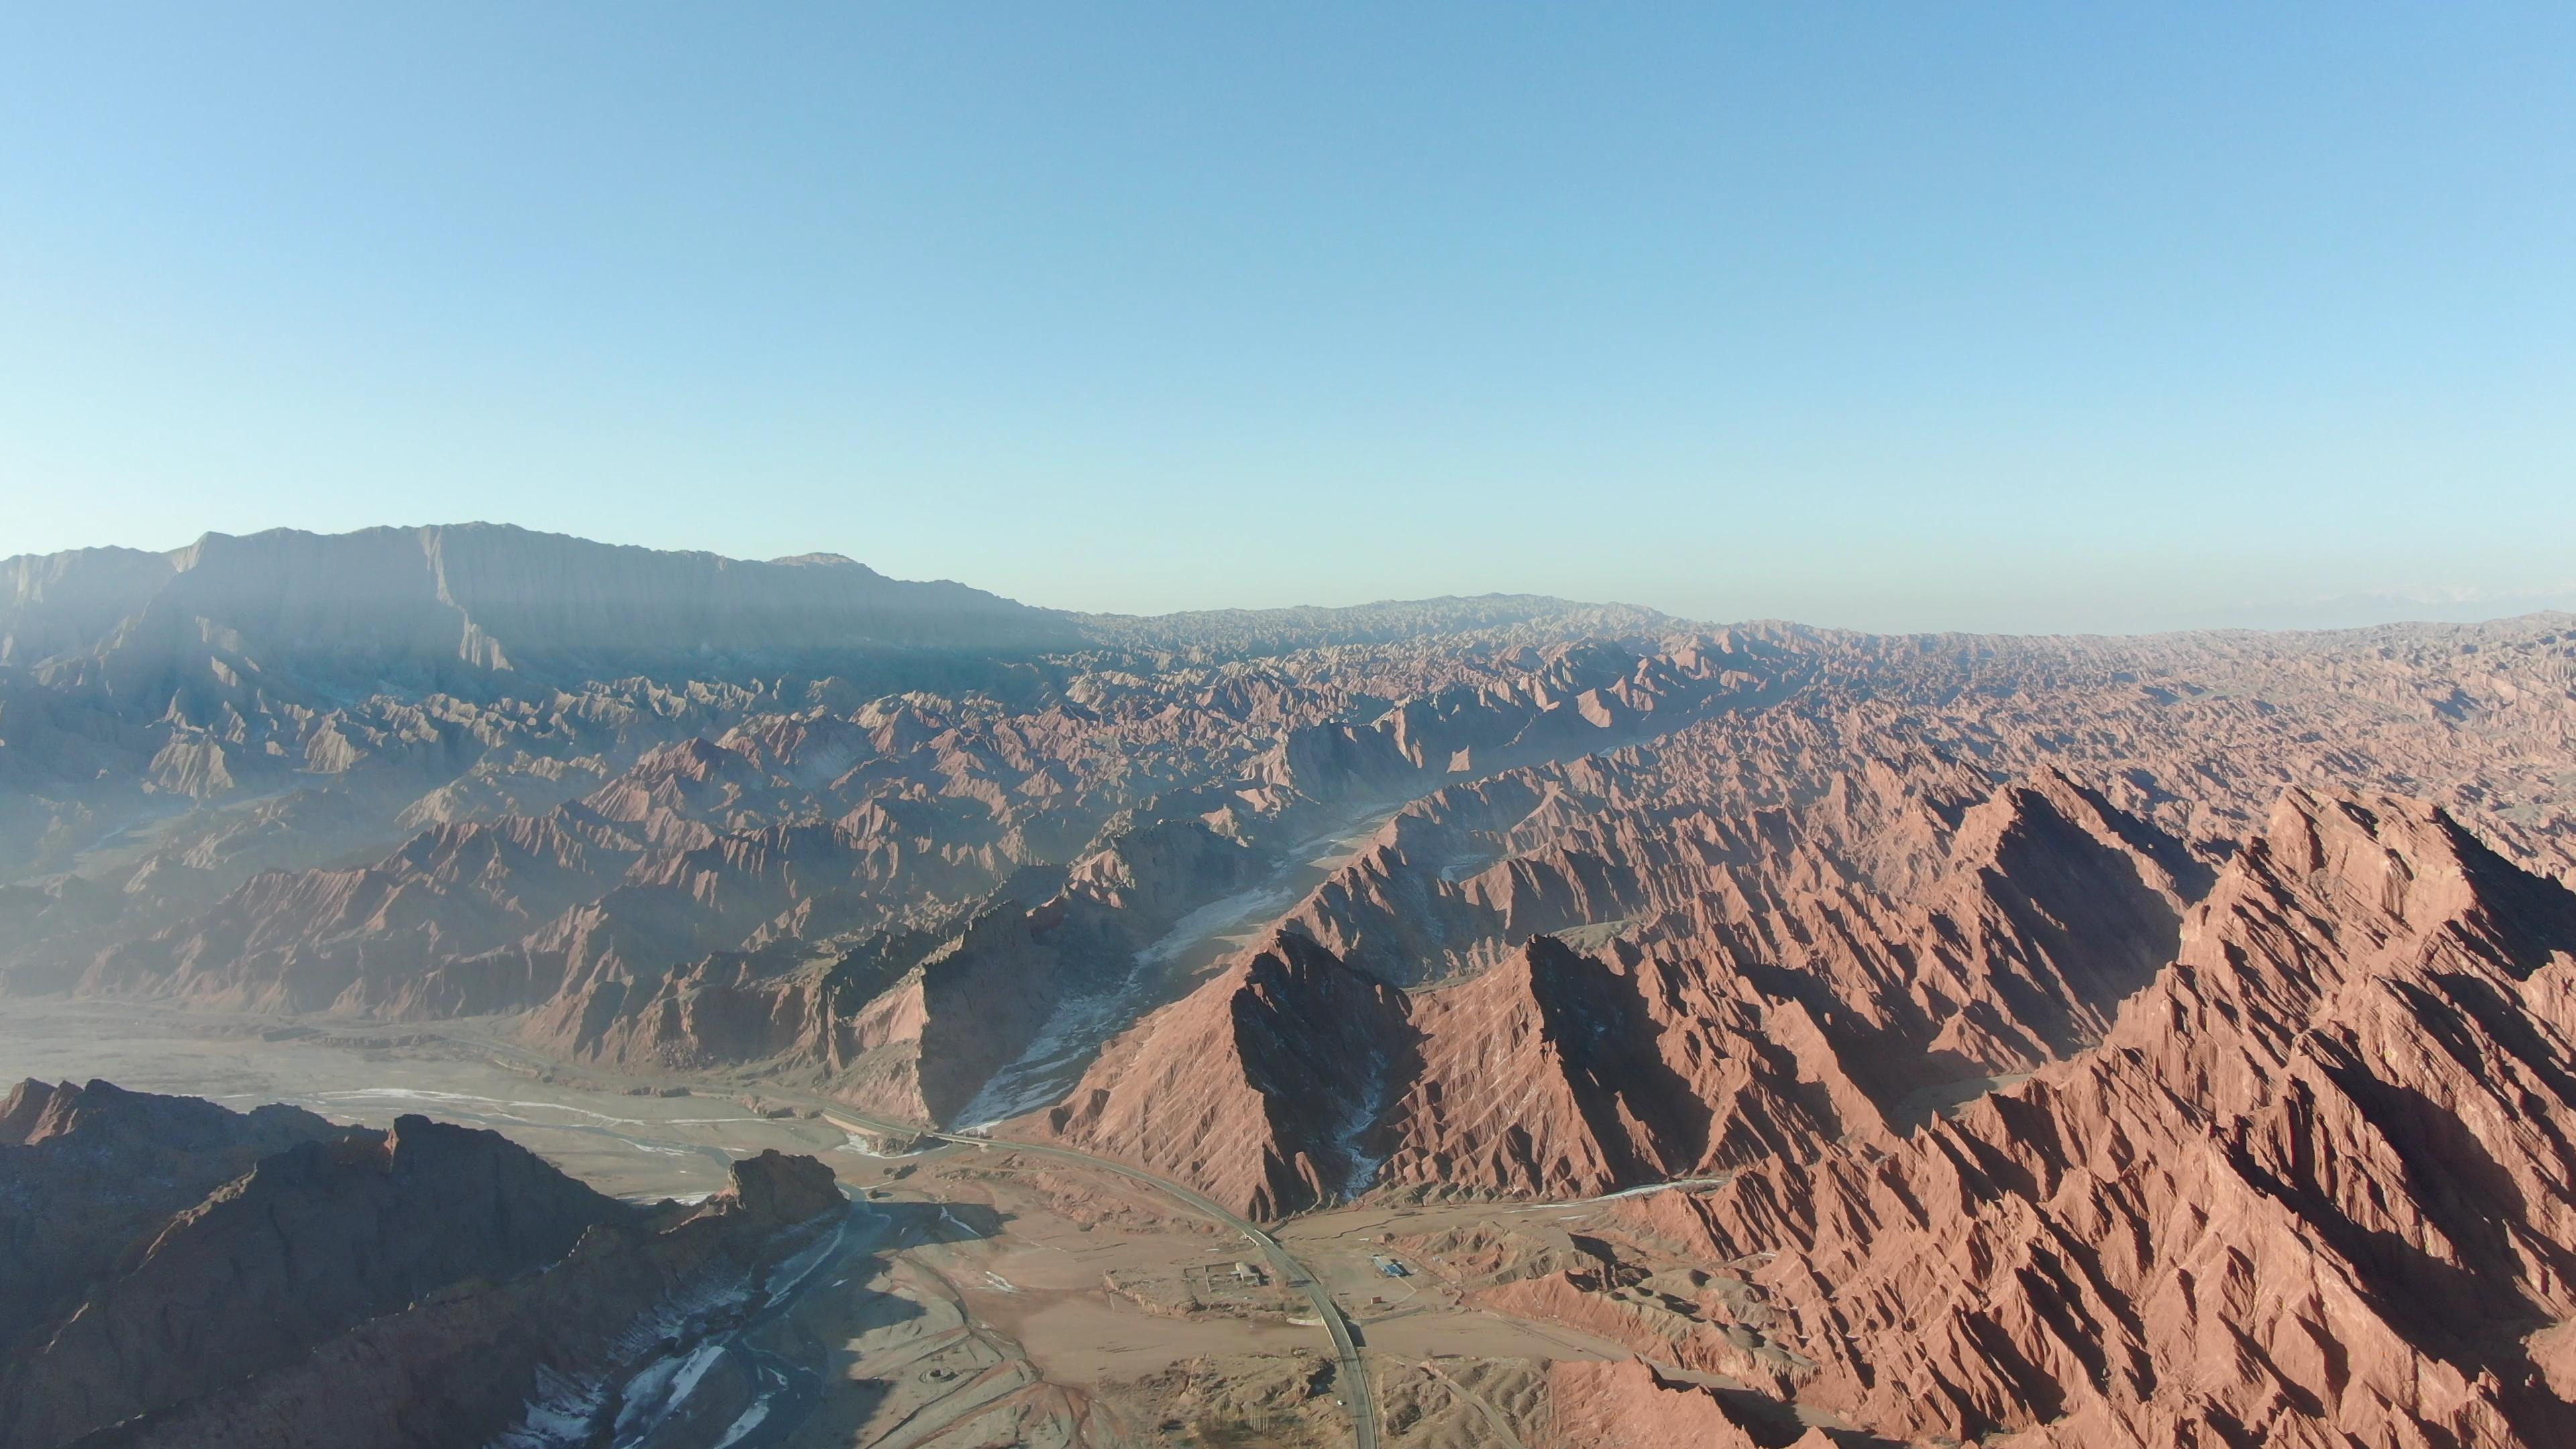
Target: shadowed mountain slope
x,y
185,1275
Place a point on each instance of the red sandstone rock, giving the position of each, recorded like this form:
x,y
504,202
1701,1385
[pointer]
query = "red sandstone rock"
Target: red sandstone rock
x,y
1629,1404
1665,903
1261,1088
2312,1186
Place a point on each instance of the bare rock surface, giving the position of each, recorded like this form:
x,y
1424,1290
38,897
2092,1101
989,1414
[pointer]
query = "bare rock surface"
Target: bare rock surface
x,y
186,1275
88,1170
1259,1088
1630,1403
1990,941
2088,1040
2312,1188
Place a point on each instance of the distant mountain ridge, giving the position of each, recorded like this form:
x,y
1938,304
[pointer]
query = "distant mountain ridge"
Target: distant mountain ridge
x,y
466,598
469,607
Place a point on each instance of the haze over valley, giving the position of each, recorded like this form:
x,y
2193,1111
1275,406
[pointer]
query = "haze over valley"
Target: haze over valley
x,y
1617,1025
1339,727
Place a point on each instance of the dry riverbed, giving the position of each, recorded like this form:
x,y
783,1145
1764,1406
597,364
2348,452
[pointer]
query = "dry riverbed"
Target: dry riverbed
x,y
1002,1300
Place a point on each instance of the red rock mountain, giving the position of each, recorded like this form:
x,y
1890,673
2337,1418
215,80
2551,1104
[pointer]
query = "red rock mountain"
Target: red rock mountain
x,y
90,1170
2314,1188
2024,919
2086,1040
1292,1081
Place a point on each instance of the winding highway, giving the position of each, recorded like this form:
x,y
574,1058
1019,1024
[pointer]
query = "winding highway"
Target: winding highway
x,y
1351,1371
1358,1395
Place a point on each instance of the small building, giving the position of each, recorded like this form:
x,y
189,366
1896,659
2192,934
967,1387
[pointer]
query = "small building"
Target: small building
x,y
1391,1268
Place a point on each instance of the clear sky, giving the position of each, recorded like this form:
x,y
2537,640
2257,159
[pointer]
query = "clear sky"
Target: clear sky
x,y
1977,315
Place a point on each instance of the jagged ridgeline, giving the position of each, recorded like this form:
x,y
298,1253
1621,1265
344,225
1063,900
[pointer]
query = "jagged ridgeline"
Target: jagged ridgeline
x,y
176,1274
2157,1037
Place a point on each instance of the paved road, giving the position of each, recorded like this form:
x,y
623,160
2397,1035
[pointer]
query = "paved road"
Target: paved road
x,y
1352,1373
1358,1395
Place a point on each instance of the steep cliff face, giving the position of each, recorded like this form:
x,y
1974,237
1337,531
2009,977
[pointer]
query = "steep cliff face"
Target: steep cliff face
x,y
1629,1404
341,1286
1643,901
86,1171
1563,1075
1802,978
2315,1184
726,901
2311,1186
61,603
1261,1088
1940,927
1291,1081
540,1358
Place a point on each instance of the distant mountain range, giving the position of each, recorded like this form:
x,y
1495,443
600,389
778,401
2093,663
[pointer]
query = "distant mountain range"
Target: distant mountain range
x,y
450,606
2139,1040
446,603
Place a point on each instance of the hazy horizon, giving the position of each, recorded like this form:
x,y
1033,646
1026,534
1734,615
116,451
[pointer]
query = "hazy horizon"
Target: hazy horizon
x,y
2343,612
2039,322
1412,727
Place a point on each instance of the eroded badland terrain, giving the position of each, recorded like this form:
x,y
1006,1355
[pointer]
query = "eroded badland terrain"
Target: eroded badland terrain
x,y
715,1003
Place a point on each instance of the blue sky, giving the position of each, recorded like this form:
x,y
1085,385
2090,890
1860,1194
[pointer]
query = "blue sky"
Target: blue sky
x,y
1911,316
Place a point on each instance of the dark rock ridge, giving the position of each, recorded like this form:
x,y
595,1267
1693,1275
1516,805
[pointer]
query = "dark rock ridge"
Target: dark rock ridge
x,y
86,1172
187,1275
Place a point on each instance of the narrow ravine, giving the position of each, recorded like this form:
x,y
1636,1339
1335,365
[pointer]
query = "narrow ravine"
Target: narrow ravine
x,y
1164,970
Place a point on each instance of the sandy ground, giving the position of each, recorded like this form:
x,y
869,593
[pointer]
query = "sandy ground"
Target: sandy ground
x,y
1421,1316
637,1146
1011,1301
1027,1303
1080,1310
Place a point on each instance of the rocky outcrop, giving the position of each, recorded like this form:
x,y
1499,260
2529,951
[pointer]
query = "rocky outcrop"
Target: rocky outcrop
x,y
686,912
425,1286
1956,855
1937,925
1261,1088
1563,1075
2313,1188
1160,870
1653,902
86,1171
1802,978
777,1189
1291,1081
539,1358
1628,1403
308,1243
